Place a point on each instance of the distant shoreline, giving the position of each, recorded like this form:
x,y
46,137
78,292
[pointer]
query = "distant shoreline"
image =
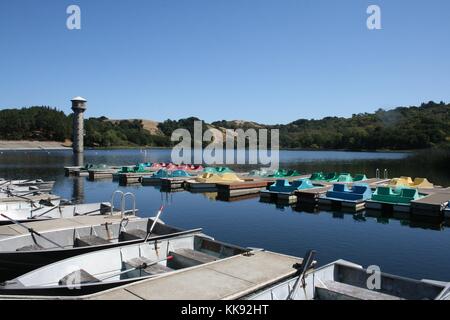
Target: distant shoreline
x,y
24,145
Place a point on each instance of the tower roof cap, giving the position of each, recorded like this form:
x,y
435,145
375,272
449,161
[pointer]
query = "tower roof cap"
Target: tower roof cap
x,y
79,99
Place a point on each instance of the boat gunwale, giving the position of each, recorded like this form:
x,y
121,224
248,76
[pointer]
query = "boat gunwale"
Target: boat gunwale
x,y
100,246
122,282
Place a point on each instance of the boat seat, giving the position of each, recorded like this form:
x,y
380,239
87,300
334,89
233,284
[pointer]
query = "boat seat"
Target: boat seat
x,y
157,269
90,241
338,187
137,262
184,258
333,290
359,189
385,191
33,247
133,234
409,193
152,269
78,277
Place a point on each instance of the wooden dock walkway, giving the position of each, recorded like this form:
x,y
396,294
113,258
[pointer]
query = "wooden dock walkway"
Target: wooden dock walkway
x,y
173,183
279,197
101,174
82,171
236,189
334,204
71,170
200,187
433,204
236,198
226,279
132,178
312,196
149,180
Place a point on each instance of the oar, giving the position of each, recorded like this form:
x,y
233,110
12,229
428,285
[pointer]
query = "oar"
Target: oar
x,y
18,193
306,264
142,266
30,230
154,223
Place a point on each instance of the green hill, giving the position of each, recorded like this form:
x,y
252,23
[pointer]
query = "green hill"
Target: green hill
x,y
403,128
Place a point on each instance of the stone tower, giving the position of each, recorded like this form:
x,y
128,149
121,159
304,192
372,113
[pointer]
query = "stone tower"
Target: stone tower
x,y
78,107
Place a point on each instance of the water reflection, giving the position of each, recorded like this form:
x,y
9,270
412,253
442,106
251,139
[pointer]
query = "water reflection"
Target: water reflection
x,y
78,182
382,217
400,244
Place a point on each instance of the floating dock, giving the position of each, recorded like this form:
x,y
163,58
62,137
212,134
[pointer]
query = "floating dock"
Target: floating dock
x,y
68,171
132,178
284,190
342,197
433,205
236,189
221,197
275,196
149,180
311,196
199,187
226,279
173,183
355,205
388,207
101,174
82,171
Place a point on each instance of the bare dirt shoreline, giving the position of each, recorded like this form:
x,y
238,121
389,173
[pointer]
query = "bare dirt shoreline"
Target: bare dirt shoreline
x,y
6,145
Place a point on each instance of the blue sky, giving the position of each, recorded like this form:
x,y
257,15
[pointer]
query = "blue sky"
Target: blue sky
x,y
271,61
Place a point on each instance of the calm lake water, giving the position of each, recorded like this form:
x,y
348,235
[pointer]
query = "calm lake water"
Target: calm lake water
x,y
399,245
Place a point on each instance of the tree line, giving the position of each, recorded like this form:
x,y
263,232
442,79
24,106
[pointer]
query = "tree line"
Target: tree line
x,y
402,128
43,123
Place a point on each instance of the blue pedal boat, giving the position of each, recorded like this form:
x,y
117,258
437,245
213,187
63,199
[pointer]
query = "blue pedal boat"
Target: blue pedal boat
x,y
341,192
341,195
284,186
284,190
165,174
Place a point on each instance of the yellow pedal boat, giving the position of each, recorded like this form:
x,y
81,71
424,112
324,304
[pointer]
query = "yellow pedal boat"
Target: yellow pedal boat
x,y
218,178
422,183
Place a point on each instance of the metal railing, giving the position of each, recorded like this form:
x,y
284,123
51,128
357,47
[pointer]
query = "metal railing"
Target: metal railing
x,y
123,197
385,174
